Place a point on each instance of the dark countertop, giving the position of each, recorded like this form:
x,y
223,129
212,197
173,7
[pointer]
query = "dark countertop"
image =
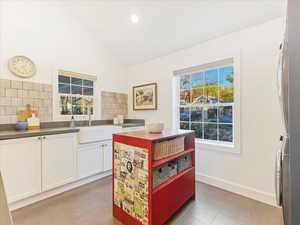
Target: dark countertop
x,y
13,134
126,125
50,130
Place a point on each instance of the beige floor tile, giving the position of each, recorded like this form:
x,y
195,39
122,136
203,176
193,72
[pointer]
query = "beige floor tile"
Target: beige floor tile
x,y
91,205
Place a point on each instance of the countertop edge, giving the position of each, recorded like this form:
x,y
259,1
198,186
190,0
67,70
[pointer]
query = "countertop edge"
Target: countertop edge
x,y
38,133
51,131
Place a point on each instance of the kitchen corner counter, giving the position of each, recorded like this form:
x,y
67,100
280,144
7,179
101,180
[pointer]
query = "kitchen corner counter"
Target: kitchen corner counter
x,y
13,134
7,131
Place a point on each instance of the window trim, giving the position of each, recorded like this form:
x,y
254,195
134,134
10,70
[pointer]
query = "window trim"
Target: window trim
x,y
235,147
56,97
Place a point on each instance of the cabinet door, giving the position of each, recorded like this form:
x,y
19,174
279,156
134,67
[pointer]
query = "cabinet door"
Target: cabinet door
x,y
59,160
107,155
90,159
20,164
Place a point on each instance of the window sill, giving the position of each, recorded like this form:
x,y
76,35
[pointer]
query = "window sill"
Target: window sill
x,y
212,146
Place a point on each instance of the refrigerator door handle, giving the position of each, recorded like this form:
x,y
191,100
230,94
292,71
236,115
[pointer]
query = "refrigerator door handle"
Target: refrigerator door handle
x,y
278,172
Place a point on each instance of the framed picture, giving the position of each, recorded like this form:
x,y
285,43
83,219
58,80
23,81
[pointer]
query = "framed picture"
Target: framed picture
x,y
145,97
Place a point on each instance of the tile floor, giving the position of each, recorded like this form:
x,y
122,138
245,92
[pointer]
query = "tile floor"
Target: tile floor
x,y
91,205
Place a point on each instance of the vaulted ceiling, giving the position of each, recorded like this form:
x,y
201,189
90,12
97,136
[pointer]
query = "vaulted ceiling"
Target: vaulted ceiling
x,y
165,26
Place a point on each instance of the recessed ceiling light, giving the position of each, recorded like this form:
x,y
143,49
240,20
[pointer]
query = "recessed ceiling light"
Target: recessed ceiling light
x,y
134,18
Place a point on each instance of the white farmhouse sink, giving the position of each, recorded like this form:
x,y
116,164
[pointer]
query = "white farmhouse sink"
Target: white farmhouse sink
x,y
97,133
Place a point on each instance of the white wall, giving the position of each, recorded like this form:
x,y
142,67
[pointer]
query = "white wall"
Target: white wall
x,y
250,172
46,33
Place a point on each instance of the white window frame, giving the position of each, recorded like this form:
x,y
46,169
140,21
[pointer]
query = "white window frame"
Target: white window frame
x,y
235,146
56,99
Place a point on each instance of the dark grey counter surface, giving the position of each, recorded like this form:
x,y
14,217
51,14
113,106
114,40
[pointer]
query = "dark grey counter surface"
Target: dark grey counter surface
x,y
54,128
13,134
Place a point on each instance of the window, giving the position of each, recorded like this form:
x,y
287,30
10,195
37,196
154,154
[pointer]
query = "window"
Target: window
x,y
75,91
207,102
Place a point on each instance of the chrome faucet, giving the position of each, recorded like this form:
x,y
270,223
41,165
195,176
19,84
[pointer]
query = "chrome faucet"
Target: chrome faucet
x,y
89,109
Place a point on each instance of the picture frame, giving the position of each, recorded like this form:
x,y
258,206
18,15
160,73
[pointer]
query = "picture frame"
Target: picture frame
x,y
145,97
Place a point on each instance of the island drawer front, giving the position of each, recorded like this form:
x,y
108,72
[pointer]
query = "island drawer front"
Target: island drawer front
x,y
169,199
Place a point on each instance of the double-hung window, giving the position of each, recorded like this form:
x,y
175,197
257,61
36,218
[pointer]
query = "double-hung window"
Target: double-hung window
x,y
206,102
76,92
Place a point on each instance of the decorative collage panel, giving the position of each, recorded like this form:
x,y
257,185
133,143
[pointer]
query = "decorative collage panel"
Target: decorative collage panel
x,y
131,180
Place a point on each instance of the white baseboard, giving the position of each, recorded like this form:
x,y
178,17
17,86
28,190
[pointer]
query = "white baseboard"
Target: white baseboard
x,y
56,191
249,192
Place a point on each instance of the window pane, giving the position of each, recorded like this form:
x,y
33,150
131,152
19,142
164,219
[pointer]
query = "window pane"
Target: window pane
x,y
63,79
197,80
226,76
184,126
76,81
85,102
225,132
211,94
225,114
211,77
88,91
198,96
88,83
76,89
197,127
210,114
185,82
85,110
196,114
226,95
64,88
184,114
185,97
65,105
226,84
76,101
77,110
210,131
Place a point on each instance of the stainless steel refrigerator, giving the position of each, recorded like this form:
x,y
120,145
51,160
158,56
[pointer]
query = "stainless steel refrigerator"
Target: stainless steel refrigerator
x,y
282,171
288,157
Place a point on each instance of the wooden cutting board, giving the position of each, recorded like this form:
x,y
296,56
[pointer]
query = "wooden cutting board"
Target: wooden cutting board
x,y
23,115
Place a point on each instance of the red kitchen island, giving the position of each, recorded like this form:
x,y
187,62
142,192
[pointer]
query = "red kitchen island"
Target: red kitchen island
x,y
153,175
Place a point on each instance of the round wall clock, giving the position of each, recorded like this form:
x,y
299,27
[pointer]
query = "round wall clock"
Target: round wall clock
x,y
21,66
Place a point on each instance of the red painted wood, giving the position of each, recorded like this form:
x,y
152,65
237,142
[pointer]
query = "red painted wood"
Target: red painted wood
x,y
123,217
150,182
166,134
169,199
171,180
132,141
166,199
170,158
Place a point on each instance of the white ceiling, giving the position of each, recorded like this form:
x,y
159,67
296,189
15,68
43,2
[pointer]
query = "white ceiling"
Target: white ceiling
x,y
166,26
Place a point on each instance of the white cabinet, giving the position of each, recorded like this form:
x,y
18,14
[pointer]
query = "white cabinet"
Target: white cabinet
x,y
58,160
20,164
107,155
90,158
94,158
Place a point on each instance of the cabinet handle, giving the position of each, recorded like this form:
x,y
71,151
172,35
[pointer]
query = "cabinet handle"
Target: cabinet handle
x,y
39,138
44,137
